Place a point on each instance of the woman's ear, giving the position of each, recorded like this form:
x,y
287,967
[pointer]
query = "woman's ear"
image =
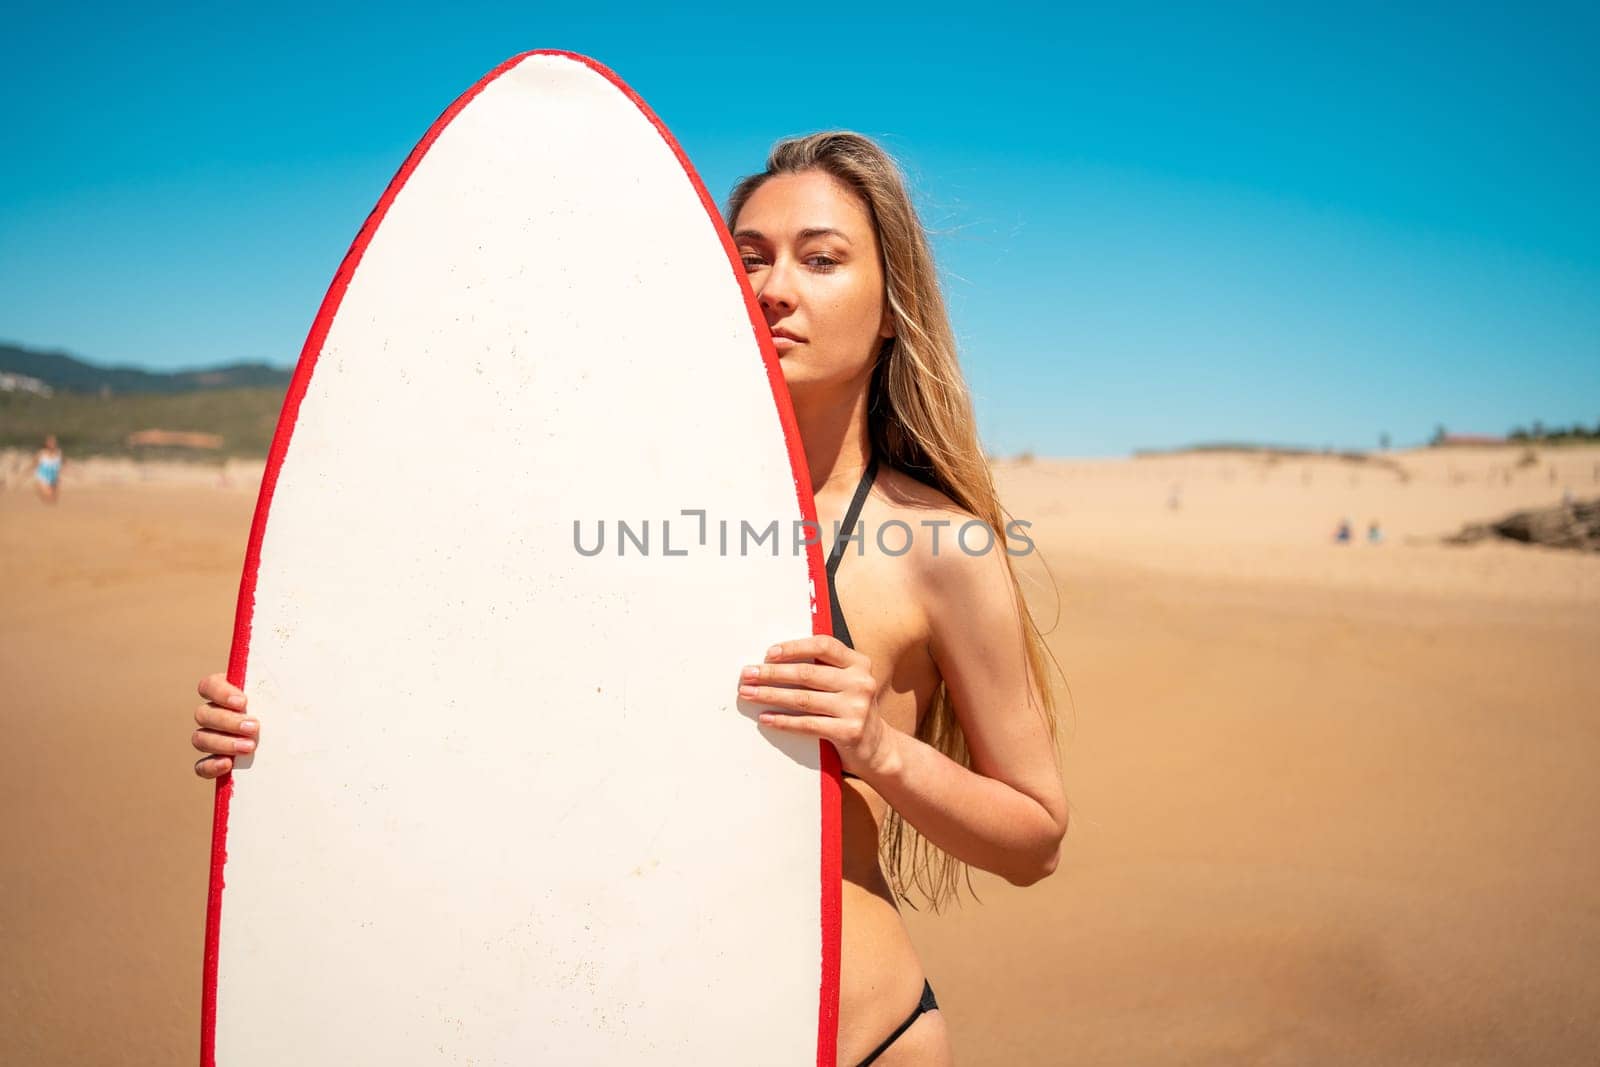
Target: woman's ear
x,y
886,324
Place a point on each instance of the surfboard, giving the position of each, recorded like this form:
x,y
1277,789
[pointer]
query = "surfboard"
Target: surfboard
x,y
508,807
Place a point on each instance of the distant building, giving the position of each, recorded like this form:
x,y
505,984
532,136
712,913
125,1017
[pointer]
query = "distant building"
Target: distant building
x,y
20,383
175,439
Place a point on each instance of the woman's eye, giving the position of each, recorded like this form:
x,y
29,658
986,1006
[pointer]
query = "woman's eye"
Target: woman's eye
x,y
818,261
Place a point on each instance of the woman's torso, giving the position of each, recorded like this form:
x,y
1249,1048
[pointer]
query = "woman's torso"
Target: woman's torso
x,y
880,974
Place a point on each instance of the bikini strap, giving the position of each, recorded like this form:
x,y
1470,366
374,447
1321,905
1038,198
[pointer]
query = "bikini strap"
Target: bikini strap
x,y
853,512
926,1004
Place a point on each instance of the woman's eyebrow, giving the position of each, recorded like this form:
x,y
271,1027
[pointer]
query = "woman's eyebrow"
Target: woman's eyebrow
x,y
823,231
813,231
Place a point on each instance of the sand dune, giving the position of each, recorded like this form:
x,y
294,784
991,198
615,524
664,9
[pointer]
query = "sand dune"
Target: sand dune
x,y
1239,517
1332,803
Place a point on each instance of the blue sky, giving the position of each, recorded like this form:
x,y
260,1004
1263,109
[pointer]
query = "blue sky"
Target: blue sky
x,y
1155,225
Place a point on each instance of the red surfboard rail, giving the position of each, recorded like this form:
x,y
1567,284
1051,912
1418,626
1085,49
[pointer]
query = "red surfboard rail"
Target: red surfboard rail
x,y
831,867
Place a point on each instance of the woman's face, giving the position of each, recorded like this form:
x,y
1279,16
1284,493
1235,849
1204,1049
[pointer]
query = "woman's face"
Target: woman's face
x,y
812,258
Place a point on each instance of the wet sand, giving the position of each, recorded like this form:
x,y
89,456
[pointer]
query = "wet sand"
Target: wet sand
x,y
1332,804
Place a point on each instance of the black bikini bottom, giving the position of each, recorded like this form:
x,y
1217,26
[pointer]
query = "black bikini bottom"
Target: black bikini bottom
x,y
927,1003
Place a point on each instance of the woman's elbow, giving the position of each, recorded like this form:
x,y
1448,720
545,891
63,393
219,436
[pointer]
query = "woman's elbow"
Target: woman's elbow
x,y
1025,876
1044,862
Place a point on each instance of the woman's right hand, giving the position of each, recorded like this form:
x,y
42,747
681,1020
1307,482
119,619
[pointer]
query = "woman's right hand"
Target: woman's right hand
x,y
224,730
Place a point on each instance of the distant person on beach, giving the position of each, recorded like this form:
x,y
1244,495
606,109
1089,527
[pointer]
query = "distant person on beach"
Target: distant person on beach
x,y
47,471
1341,533
1374,533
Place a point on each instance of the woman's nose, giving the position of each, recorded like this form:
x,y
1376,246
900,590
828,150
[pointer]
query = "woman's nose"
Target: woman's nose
x,y
776,288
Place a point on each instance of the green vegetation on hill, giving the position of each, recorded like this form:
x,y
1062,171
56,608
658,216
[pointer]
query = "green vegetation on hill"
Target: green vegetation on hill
x,y
65,373
96,425
1555,435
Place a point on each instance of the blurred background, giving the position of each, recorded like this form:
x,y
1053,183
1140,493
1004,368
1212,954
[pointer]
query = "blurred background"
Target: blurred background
x,y
1283,331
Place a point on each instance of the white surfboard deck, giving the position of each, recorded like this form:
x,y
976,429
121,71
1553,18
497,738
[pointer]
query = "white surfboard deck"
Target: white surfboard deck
x,y
508,808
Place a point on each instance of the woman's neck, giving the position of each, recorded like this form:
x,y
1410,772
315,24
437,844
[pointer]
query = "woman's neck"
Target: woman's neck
x,y
836,443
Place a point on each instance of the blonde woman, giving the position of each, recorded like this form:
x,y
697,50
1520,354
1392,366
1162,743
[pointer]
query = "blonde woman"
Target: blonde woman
x,y
934,691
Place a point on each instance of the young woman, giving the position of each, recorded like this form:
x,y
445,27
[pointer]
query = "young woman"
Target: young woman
x,y
934,692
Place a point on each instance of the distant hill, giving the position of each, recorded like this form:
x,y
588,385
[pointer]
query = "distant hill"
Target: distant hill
x,y
68,374
120,410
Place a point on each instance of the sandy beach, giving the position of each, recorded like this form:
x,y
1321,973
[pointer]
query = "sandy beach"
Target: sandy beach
x,y
1333,803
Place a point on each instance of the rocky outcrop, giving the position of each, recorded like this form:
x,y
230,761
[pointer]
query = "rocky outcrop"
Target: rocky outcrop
x,y
1571,525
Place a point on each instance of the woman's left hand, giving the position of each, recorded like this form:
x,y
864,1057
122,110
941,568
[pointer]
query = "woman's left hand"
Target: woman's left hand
x,y
835,698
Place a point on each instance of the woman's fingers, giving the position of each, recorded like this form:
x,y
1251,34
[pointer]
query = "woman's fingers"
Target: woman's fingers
x,y
213,766
840,673
217,689
221,744
824,647
849,705
229,722
224,730
810,675
813,726
805,701
833,698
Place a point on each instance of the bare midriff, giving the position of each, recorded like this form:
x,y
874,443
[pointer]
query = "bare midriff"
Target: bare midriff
x,y
880,974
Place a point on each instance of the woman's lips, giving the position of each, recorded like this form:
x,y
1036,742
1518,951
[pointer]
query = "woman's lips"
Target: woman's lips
x,y
783,344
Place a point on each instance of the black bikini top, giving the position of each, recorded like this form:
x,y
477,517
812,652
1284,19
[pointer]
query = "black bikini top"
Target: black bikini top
x,y
840,629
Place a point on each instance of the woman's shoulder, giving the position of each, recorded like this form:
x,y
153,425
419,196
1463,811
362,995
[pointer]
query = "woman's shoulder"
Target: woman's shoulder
x,y
911,499
945,538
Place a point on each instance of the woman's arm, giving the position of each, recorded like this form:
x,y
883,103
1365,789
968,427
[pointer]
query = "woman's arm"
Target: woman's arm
x,y
1009,814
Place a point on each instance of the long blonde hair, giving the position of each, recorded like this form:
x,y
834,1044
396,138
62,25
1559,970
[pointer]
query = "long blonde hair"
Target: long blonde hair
x,y
919,417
